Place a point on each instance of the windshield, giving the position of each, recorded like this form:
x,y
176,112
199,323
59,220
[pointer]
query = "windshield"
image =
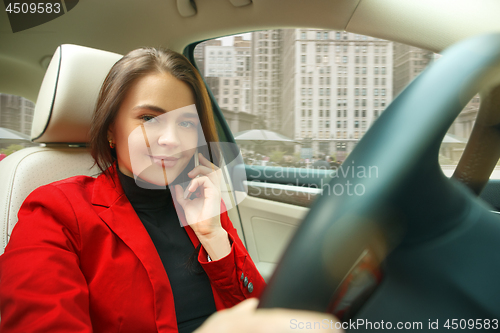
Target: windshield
x,y
320,90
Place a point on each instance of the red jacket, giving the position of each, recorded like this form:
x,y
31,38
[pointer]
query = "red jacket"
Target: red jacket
x,y
80,260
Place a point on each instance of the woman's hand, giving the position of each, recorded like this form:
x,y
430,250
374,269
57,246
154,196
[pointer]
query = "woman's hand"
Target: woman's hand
x,y
203,212
246,318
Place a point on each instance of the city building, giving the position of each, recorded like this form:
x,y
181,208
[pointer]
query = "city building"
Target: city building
x,y
266,80
409,61
219,61
16,113
335,84
227,72
324,88
199,53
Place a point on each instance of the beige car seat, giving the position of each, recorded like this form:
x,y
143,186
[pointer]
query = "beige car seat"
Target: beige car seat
x,y
61,124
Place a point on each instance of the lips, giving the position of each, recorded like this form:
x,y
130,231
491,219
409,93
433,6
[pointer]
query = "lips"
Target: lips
x,y
165,161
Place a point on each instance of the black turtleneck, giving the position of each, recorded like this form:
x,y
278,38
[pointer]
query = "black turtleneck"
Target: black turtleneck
x,y
193,297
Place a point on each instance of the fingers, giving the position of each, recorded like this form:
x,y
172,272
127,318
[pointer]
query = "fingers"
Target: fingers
x,y
204,161
216,170
183,196
209,188
200,170
236,319
243,318
205,164
208,169
179,195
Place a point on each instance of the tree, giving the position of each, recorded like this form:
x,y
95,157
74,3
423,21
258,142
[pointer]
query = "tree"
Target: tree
x,y
277,156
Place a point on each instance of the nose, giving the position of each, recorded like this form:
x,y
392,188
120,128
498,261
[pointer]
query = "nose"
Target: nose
x,y
169,138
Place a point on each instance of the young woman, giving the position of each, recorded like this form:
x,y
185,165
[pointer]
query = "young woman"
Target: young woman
x,y
131,250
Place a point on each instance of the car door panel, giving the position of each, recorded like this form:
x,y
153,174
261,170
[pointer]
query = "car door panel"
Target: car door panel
x,y
268,227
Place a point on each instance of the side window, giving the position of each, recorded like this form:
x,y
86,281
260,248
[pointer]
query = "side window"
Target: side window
x,y
454,142
297,87
16,116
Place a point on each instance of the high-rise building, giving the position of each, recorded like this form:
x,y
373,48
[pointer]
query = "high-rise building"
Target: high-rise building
x,y
220,61
199,53
266,79
16,113
335,84
233,92
323,87
243,53
409,61
227,73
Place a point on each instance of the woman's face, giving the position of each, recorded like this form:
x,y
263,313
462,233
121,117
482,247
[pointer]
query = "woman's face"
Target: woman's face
x,y
156,129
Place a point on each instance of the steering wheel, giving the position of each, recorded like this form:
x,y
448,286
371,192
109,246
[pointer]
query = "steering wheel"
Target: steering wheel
x,y
406,244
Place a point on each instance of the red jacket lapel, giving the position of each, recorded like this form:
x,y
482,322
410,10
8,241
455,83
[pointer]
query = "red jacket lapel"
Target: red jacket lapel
x,y
120,217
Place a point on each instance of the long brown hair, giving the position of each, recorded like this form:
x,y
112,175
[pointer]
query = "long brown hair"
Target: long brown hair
x,y
136,64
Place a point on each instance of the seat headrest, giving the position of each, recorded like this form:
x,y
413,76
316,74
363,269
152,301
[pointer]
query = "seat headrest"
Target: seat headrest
x,y
68,94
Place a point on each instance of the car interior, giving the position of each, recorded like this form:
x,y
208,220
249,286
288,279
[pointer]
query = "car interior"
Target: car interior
x,y
416,246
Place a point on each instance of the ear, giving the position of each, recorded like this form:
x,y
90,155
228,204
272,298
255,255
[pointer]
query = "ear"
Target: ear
x,y
110,134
